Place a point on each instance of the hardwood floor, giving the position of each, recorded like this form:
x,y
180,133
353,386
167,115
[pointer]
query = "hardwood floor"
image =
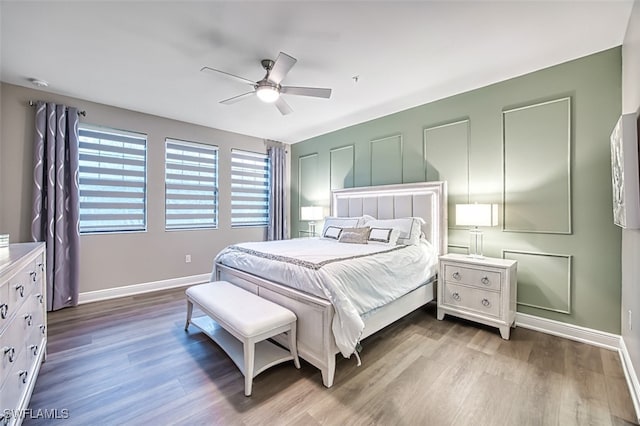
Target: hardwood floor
x,y
129,361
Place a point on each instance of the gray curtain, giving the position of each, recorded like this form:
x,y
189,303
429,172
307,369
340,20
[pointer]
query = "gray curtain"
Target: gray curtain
x,y
277,229
56,210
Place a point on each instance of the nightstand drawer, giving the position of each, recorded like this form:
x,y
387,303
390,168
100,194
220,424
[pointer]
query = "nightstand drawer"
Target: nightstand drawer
x,y
472,299
474,277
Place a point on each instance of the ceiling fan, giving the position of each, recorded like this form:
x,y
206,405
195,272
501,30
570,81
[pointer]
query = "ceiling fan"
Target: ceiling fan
x,y
269,88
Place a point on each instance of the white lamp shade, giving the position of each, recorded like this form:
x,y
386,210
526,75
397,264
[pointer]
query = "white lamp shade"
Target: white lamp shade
x,y
476,214
311,213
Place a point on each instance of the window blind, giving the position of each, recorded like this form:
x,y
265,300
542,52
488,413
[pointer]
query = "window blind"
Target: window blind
x,y
249,189
191,191
112,180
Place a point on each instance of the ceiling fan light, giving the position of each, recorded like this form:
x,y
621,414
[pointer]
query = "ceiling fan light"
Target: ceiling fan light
x,y
267,94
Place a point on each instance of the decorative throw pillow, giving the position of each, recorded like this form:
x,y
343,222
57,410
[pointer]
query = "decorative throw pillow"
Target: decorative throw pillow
x,y
384,235
332,232
355,235
409,228
345,222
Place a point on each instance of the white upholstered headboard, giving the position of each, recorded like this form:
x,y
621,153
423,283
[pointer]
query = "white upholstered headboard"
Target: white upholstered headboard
x,y
427,200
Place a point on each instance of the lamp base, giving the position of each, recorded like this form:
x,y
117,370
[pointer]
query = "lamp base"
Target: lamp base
x,y
475,243
312,228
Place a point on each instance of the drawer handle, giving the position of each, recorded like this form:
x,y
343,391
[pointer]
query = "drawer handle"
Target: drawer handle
x,y
485,281
456,296
34,349
40,298
34,276
20,289
29,319
41,266
485,302
23,375
43,329
4,310
456,275
11,352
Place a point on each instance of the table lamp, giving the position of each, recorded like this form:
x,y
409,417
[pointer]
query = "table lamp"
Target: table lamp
x,y
476,215
311,214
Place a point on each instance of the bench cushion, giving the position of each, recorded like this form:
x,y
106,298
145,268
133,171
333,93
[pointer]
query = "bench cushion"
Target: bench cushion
x,y
249,314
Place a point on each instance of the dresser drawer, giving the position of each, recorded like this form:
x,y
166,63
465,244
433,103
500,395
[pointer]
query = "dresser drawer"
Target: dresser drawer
x,y
487,303
474,277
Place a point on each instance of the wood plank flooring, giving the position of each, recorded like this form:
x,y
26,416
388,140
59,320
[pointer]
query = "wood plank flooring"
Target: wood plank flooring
x,y
129,362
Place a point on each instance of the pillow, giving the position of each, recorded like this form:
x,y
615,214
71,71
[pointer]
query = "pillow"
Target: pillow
x,y
384,235
332,232
355,235
344,222
409,228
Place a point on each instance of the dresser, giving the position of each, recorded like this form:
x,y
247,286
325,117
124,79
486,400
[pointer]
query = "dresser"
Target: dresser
x,y
23,326
481,290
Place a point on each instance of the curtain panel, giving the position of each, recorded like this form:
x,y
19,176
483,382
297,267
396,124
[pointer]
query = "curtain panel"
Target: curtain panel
x,y
56,207
277,229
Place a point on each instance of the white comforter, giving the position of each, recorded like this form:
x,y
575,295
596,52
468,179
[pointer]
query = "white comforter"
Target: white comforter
x,y
356,278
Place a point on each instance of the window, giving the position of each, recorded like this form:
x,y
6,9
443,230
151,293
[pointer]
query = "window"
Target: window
x,y
112,179
191,191
249,188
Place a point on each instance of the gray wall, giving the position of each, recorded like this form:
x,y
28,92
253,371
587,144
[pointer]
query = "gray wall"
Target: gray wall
x,y
115,260
557,217
631,238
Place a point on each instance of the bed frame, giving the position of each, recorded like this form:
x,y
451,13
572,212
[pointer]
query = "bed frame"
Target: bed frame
x,y
316,343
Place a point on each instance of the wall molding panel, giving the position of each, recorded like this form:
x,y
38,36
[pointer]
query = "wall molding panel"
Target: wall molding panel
x,y
537,199
307,180
386,160
544,279
342,163
438,144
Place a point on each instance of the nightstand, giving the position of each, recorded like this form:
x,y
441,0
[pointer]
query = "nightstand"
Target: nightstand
x,y
480,290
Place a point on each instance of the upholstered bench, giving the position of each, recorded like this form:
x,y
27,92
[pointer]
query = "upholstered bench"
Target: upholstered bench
x,y
240,322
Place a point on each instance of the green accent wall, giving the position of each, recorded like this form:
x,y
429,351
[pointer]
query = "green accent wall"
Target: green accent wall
x,y
537,145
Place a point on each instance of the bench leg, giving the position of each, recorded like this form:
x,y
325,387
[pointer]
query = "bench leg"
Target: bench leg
x,y
293,345
249,354
189,313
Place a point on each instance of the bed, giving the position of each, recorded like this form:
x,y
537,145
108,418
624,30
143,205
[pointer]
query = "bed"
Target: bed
x,y
321,313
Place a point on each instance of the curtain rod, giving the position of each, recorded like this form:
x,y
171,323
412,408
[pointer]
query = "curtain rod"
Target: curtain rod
x,y
82,113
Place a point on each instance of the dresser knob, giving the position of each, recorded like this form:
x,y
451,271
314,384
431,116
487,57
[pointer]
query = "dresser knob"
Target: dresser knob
x,y
456,275
4,310
485,302
43,329
23,375
40,298
29,319
20,289
485,280
34,349
10,352
455,296
34,276
41,266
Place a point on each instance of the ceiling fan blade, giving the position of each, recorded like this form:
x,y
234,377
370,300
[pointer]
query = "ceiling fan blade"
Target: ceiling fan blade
x,y
237,98
283,106
243,80
316,92
281,67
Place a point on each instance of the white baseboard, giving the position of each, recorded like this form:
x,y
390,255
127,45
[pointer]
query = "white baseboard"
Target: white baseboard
x,y
631,376
130,290
569,331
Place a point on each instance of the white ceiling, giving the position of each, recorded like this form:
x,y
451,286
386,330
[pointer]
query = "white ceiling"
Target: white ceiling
x,y
146,55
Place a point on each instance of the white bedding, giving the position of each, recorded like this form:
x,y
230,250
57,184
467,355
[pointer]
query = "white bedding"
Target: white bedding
x,y
356,278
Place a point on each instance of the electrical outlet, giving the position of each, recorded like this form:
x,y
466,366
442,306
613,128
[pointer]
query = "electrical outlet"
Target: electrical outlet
x,y
187,258
630,321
